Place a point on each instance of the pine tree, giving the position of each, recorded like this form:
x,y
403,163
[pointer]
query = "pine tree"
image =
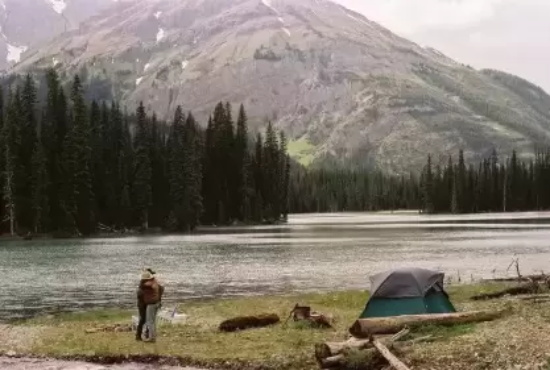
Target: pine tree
x,y
193,173
54,132
428,187
284,174
28,143
79,200
461,183
209,183
271,168
177,181
2,164
220,164
126,175
97,165
40,187
159,184
259,180
11,142
242,164
142,181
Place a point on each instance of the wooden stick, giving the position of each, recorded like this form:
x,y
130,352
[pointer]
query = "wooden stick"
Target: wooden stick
x,y
384,351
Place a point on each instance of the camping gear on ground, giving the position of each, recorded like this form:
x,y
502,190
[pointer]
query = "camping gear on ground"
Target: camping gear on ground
x,y
165,316
249,322
407,291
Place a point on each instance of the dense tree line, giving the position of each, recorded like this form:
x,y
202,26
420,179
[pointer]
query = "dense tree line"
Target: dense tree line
x,y
70,167
456,187
347,190
491,186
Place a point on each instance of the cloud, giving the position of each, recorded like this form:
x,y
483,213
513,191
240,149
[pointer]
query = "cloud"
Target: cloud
x,y
409,16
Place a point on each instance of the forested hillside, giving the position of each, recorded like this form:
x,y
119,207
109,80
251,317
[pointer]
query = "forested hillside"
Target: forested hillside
x,y
73,168
492,185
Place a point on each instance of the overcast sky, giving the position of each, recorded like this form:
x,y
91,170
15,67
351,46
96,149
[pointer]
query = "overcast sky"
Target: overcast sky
x,y
510,35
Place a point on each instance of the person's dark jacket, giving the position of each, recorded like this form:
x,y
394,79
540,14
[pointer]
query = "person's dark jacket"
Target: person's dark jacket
x,y
149,292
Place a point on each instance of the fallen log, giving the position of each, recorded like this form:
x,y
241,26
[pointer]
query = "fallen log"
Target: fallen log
x,y
248,322
529,288
331,349
332,355
364,328
384,351
536,277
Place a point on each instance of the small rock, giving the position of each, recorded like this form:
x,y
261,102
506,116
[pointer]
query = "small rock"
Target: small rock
x,y
11,353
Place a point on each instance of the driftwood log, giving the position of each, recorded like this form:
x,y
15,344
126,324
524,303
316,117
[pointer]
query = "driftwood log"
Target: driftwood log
x,y
249,322
331,349
527,278
384,351
528,288
364,328
333,354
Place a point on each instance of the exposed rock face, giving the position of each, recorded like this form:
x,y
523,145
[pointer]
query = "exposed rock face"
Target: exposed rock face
x,y
347,87
29,23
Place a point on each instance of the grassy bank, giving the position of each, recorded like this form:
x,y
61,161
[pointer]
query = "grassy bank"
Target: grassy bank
x,y
483,346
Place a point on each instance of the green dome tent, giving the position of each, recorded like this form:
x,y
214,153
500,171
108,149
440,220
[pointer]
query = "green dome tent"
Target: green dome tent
x,y
407,291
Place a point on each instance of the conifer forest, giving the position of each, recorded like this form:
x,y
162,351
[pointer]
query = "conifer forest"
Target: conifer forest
x,y
73,167
69,167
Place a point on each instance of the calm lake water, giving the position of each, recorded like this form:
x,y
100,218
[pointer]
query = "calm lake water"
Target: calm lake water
x,y
311,252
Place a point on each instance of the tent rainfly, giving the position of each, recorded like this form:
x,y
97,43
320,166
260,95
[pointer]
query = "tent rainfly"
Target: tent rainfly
x,y
407,291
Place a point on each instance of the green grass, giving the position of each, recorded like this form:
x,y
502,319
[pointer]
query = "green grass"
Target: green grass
x,y
278,347
437,332
302,151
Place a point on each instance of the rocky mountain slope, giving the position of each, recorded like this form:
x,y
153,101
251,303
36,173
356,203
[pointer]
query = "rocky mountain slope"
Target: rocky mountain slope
x,y
28,23
341,86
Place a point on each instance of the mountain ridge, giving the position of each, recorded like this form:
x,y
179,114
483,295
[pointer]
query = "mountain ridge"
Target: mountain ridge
x,y
344,85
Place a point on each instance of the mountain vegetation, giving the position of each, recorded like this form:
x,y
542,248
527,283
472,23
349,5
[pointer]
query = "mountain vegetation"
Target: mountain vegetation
x,y
70,167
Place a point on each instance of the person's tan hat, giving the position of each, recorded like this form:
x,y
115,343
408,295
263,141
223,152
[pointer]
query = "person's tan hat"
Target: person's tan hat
x,y
146,275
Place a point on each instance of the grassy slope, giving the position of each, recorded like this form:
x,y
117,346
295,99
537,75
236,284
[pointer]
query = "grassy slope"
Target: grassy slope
x,y
302,151
199,342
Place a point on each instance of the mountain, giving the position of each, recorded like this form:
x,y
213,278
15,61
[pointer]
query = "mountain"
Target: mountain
x,y
28,23
345,89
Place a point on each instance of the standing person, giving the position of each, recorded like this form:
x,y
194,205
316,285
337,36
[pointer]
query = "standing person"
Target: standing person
x,y
149,298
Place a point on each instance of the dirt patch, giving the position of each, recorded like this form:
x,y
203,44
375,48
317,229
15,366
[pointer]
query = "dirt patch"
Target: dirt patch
x,y
18,338
42,364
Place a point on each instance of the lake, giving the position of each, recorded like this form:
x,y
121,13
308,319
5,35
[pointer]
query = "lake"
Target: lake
x,y
310,253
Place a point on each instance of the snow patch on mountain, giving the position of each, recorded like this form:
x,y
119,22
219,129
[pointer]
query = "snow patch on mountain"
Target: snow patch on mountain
x,y
184,64
158,14
286,31
139,80
14,53
160,34
55,61
58,5
358,19
268,4
146,67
